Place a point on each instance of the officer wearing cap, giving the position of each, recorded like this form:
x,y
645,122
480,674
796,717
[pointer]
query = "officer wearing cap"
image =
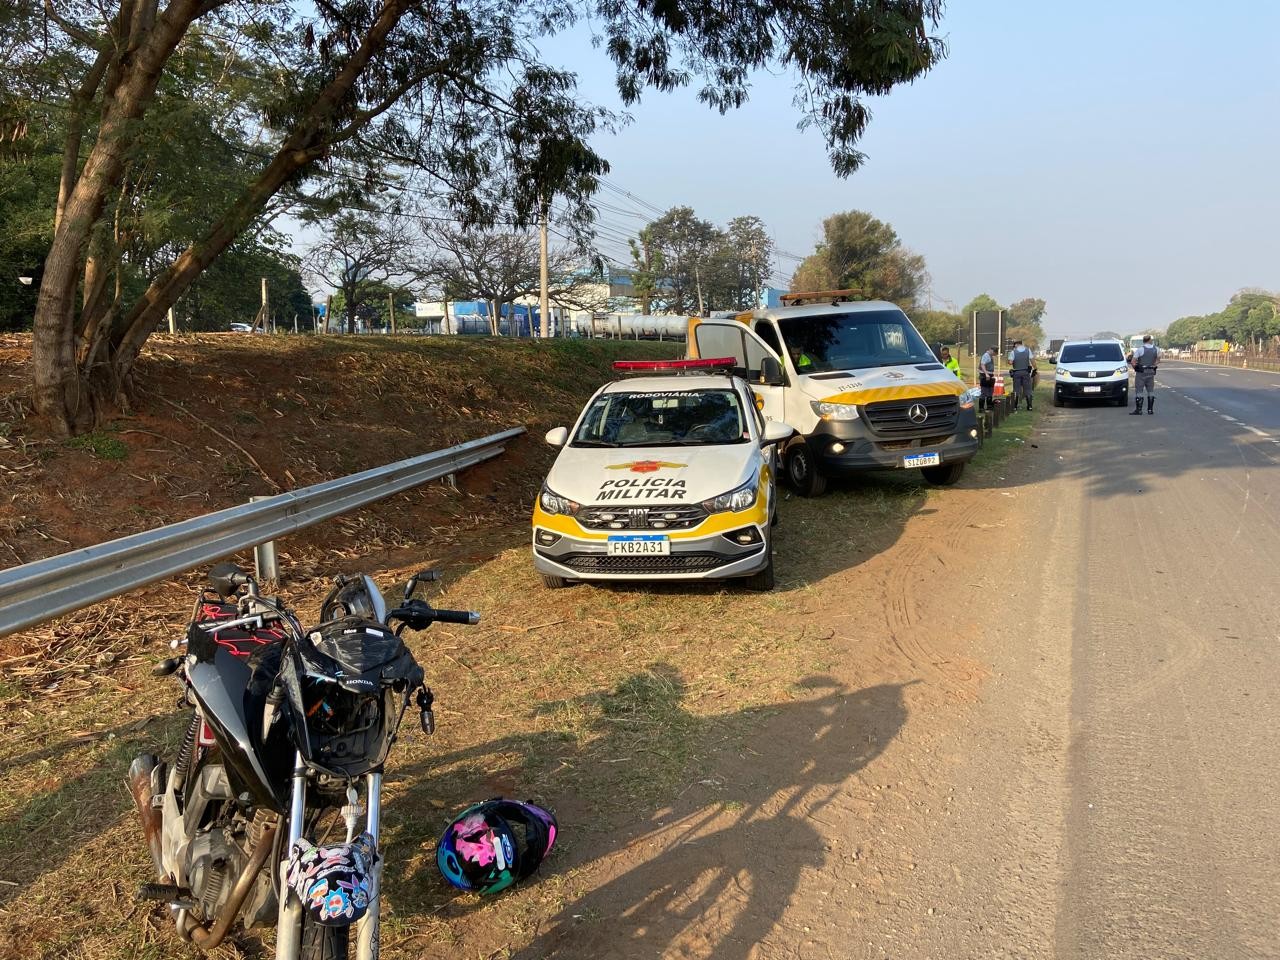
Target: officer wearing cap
x,y
1144,361
1023,364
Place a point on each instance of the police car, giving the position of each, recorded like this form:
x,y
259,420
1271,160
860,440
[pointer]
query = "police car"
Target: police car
x,y
666,475
1091,370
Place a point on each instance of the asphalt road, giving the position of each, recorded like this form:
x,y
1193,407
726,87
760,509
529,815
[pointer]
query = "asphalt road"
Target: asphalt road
x,y
1169,845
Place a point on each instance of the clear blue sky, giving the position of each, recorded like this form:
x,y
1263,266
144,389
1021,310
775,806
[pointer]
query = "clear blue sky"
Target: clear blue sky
x,y
1117,159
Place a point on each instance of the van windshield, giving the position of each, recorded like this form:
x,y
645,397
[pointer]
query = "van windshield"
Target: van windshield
x,y
852,341
1084,352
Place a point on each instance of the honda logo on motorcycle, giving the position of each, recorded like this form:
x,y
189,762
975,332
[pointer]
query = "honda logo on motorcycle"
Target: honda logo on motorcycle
x,y
917,413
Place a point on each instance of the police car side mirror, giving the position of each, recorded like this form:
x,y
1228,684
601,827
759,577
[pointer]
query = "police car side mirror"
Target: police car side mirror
x,y
557,437
775,431
771,372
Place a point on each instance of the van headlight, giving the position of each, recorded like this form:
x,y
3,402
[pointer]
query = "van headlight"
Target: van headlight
x,y
1062,371
552,503
740,498
1122,371
834,411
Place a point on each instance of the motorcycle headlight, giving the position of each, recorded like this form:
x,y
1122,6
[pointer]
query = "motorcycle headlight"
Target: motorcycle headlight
x,y
552,503
735,500
834,411
1121,371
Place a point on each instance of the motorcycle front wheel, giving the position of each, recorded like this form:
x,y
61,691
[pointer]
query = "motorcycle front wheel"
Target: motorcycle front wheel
x,y
323,943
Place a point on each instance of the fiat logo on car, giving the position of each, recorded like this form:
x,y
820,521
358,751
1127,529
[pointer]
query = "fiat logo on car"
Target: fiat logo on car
x,y
917,413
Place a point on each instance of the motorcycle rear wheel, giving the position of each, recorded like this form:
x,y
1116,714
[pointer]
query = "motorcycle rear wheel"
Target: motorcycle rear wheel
x,y
323,943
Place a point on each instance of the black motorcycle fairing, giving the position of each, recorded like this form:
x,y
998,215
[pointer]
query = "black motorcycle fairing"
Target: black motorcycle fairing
x,y
222,690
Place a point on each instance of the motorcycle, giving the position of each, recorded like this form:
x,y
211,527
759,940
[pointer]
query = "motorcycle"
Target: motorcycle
x,y
270,810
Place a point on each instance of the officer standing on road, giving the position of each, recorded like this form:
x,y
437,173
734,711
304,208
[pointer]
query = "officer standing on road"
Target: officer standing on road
x,y
1144,361
1023,364
987,377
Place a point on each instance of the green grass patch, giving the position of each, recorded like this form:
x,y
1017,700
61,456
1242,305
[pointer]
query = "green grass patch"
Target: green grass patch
x,y
101,444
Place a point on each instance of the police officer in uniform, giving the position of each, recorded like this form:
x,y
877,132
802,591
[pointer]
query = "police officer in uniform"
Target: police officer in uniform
x,y
1144,361
1023,363
987,377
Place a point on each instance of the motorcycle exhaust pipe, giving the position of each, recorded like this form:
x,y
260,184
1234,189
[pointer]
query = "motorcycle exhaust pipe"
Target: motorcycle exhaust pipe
x,y
139,783
208,936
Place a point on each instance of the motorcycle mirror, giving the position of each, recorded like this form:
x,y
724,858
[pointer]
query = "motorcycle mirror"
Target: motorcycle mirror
x,y
226,578
422,576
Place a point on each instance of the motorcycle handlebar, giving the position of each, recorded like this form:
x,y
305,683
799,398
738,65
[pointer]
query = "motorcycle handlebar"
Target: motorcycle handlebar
x,y
465,617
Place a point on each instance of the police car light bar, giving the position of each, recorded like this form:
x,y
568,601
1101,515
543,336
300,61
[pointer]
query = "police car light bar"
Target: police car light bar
x,y
633,366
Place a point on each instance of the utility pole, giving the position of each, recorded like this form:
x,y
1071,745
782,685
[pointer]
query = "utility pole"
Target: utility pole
x,y
391,311
173,324
544,297
264,314
328,312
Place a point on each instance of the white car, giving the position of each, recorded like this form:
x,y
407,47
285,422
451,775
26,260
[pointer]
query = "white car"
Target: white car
x,y
1091,370
665,477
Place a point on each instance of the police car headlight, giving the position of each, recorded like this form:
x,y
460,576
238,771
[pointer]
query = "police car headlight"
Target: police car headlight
x,y
1121,371
551,502
834,411
735,500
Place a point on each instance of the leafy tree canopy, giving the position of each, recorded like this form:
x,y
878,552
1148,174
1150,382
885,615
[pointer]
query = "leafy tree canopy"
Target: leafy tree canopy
x,y
857,251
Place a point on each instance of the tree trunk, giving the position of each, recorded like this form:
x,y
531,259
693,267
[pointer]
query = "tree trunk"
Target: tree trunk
x,y
64,391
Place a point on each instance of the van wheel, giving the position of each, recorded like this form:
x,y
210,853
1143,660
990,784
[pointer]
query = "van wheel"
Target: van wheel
x,y
1057,400
944,475
553,582
1123,399
761,580
802,472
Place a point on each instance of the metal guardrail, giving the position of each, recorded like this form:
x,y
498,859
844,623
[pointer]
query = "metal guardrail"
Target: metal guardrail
x,y
39,591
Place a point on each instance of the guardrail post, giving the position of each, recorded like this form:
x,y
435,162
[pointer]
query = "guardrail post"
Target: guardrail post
x,y
264,556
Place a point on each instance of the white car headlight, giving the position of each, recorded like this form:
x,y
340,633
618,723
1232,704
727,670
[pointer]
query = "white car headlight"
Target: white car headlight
x,y
834,411
1121,371
1063,372
735,500
552,503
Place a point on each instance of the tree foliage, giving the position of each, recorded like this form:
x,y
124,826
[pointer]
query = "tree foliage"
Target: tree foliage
x,y
1251,317
267,101
858,251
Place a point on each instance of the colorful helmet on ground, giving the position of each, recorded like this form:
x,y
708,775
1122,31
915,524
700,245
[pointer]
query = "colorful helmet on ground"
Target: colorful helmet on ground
x,y
332,881
491,845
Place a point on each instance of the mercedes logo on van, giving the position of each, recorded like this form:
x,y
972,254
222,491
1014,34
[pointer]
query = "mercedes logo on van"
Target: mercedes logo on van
x,y
917,413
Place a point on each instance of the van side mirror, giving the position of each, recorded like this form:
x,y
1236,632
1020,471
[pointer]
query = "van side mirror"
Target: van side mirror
x,y
771,372
557,436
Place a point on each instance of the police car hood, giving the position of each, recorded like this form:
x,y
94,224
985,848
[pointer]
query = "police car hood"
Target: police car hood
x,y
883,383
650,475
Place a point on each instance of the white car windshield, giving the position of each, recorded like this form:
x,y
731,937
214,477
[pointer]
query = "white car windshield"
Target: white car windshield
x,y
1085,352
676,418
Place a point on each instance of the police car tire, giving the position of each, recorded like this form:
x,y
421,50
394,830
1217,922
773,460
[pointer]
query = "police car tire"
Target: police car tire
x,y
761,580
553,582
944,475
802,472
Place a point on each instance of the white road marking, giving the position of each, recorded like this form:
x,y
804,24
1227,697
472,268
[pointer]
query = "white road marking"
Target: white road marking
x,y
1261,433
1225,417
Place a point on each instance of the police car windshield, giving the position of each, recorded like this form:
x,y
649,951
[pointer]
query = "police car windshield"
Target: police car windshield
x,y
1084,352
853,341
675,418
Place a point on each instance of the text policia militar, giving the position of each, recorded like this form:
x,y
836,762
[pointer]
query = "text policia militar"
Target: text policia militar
x,y
650,488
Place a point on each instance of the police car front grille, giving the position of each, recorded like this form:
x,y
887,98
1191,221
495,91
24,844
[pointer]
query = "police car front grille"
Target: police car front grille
x,y
675,563
679,516
892,418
